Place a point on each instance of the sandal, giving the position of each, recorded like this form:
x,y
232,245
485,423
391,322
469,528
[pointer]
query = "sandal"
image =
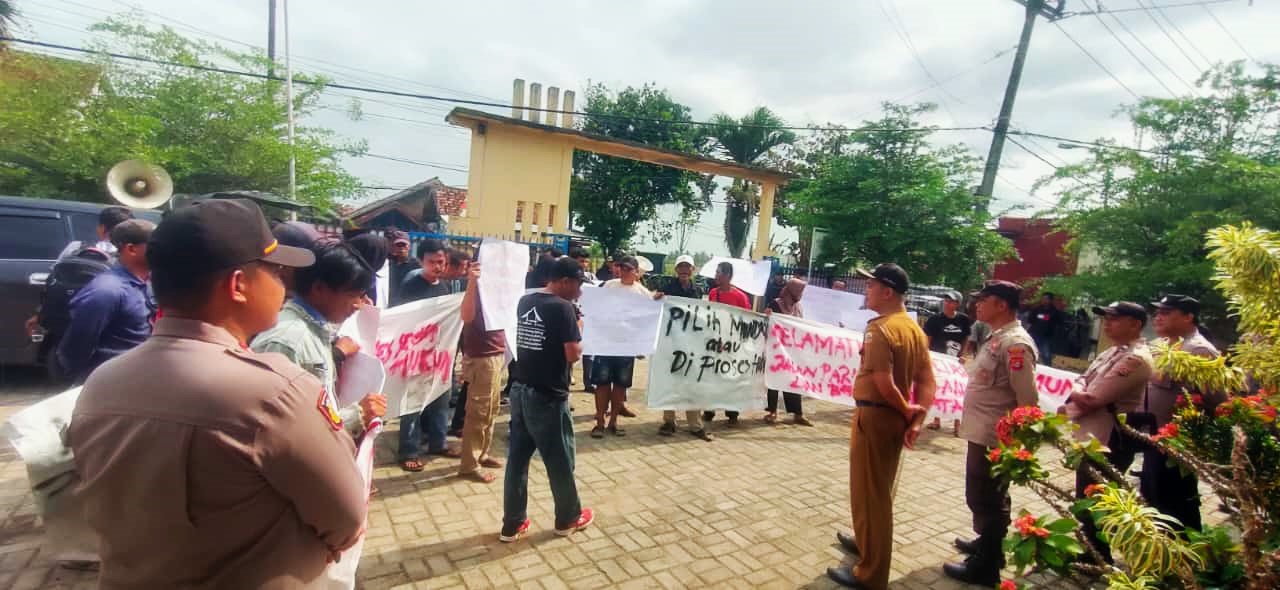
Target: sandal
x,y
412,465
614,430
597,432
448,452
479,476
802,421
491,463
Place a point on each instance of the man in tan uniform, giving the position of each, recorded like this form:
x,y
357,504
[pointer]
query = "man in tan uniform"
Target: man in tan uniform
x,y
1002,377
204,464
1114,384
895,357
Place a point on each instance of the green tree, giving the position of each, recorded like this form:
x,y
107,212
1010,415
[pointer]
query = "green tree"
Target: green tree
x,y
1208,161
884,194
611,196
8,15
66,123
747,141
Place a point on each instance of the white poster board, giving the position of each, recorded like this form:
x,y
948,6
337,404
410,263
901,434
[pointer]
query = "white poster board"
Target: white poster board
x,y
342,575
1052,385
752,277
710,356
618,322
812,359
417,343
828,306
503,266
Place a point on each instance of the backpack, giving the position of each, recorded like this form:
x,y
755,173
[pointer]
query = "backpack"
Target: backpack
x,y
66,279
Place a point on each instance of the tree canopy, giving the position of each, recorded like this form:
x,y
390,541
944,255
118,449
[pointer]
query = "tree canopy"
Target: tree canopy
x,y
746,141
611,196
884,194
66,123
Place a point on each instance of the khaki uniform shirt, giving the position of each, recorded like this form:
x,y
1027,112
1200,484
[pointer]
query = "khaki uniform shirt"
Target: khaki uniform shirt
x,y
895,344
1162,393
1114,384
1002,376
206,465
306,340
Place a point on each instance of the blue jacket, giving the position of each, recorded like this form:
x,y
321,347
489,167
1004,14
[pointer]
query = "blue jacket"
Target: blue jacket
x,y
109,316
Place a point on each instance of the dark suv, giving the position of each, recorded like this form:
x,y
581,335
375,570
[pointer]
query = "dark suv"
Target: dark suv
x,y
32,234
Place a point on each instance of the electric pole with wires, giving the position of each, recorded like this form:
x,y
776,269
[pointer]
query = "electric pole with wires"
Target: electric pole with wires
x,y
1052,10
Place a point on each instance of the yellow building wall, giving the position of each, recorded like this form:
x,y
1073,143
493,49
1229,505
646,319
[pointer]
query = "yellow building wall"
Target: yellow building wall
x,y
514,168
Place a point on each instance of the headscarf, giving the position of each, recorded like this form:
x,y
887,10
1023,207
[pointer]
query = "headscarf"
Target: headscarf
x,y
789,298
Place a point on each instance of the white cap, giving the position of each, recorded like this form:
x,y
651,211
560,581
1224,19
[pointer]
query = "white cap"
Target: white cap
x,y
646,265
683,258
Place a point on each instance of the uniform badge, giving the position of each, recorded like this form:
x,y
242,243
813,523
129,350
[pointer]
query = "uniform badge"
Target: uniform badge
x,y
328,408
1016,360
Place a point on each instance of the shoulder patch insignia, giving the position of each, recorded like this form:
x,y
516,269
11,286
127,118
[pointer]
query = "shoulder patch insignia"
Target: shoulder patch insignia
x,y
328,409
1017,360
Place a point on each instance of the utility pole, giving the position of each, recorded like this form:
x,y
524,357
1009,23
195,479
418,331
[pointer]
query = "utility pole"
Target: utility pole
x,y
271,38
1052,10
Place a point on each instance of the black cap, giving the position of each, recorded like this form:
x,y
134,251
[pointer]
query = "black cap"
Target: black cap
x,y
565,267
396,236
132,231
1011,293
889,274
1183,303
1123,308
627,260
296,234
218,234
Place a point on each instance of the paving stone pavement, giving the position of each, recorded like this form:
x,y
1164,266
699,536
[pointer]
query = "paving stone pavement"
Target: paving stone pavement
x,y
756,508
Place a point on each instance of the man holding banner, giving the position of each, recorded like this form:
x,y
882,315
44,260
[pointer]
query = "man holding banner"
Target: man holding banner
x,y
724,292
895,358
1001,378
684,286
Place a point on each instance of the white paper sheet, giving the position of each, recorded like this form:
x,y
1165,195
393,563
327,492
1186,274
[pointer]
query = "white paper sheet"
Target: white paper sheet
x,y
618,322
827,306
503,266
752,277
361,374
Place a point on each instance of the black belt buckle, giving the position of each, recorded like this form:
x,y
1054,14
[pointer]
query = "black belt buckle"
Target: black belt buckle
x,y
862,403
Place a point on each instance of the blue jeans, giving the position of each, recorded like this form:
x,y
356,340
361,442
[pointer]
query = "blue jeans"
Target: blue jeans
x,y
544,424
432,424
1044,349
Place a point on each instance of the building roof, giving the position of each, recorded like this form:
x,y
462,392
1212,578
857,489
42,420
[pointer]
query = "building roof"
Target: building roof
x,y
632,150
450,200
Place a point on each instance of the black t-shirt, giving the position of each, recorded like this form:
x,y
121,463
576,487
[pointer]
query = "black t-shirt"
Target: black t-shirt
x,y
416,288
1042,321
675,289
545,322
399,270
948,335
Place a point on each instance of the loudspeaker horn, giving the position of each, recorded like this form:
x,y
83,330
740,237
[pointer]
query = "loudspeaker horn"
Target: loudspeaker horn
x,y
134,183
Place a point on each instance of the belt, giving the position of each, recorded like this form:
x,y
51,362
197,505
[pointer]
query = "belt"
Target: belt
x,y
862,403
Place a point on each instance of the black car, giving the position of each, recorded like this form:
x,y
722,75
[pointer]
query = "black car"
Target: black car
x,y
33,232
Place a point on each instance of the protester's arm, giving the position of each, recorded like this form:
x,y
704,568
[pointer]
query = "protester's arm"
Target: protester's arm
x,y
91,311
314,470
1022,374
472,294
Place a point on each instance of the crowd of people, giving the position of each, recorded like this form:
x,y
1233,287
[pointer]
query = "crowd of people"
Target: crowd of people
x,y
236,472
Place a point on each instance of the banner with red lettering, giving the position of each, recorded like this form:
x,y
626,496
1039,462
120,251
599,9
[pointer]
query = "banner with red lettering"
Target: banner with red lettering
x,y
417,343
813,359
1053,385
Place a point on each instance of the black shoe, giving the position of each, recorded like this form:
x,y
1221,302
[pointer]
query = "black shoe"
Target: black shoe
x,y
970,573
733,420
667,429
846,541
967,546
703,434
844,577
708,416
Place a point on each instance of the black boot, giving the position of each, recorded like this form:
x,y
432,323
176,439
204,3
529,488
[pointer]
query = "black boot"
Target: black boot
x,y
973,572
967,546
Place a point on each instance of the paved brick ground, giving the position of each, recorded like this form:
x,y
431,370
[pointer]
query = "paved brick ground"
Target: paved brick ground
x,y
756,508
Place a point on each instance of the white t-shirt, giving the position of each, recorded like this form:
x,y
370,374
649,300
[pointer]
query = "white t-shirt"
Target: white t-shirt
x,y
636,287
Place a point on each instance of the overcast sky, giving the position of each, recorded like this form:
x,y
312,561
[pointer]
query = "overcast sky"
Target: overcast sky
x,y
812,62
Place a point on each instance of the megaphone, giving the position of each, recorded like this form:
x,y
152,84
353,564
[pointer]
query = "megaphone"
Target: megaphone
x,y
134,183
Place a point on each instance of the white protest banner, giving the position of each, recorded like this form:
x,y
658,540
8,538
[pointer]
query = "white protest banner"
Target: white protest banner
x,y
503,265
710,356
829,306
618,322
1052,385
751,277
855,320
362,374
342,574
416,344
382,285
812,359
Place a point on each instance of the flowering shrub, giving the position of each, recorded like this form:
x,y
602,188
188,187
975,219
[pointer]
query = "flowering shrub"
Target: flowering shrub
x,y
1041,542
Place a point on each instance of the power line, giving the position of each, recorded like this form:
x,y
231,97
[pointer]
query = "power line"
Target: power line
x,y
409,161
1033,153
1184,36
1152,15
1228,32
905,36
1142,44
1096,62
1134,55
1101,10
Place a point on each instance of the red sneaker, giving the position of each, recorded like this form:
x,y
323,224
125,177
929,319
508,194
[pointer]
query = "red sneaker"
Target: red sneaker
x,y
584,520
515,535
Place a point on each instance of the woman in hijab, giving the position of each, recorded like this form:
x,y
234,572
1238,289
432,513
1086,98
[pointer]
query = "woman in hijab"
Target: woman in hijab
x,y
788,303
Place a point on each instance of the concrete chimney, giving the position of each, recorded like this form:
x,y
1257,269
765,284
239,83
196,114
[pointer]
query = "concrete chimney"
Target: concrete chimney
x,y
553,104
566,118
517,99
535,102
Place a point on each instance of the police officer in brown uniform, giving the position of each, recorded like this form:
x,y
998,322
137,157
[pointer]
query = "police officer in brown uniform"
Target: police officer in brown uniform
x,y
204,464
1164,486
1002,376
895,357
1114,384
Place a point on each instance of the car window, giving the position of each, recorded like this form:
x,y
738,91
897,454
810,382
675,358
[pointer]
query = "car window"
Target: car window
x,y
31,238
84,227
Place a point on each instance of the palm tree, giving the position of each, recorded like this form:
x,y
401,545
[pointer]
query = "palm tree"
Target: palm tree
x,y
745,141
8,15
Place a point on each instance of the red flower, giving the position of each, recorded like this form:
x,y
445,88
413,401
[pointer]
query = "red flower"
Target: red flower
x,y
1040,532
1026,525
1169,430
1223,410
994,456
1008,585
1268,413
1093,489
1022,455
1004,432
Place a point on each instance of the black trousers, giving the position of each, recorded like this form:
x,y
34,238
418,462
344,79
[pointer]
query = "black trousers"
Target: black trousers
x,y
1167,490
586,373
988,500
791,401
711,415
459,408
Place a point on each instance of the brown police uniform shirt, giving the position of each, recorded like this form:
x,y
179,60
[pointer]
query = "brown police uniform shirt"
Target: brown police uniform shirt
x,y
1001,377
206,465
1114,383
893,343
1162,392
